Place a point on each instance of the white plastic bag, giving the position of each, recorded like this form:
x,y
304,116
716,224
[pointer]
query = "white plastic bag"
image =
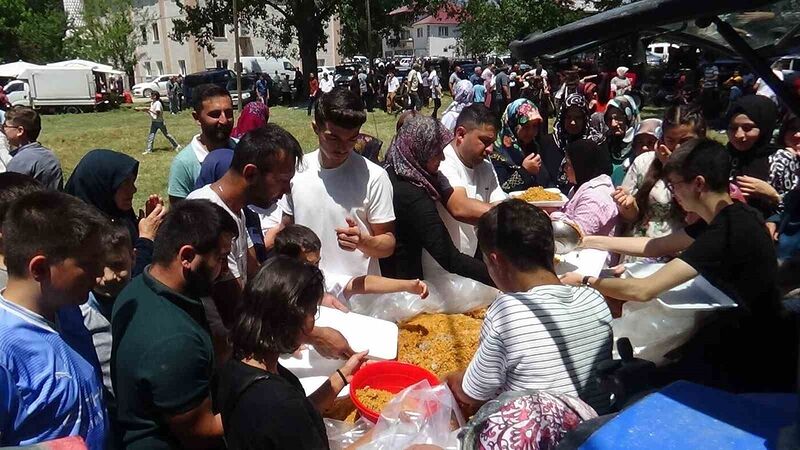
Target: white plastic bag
x,y
448,293
342,434
419,414
654,330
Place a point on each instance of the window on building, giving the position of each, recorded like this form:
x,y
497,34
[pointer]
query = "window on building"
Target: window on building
x,y
219,30
155,32
144,33
182,66
222,64
419,32
148,70
160,67
444,31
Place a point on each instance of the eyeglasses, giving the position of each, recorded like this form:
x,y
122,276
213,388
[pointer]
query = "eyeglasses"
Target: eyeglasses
x,y
671,185
10,126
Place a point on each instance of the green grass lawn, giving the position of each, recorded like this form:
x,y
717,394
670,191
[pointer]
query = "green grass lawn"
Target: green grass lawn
x,y
125,130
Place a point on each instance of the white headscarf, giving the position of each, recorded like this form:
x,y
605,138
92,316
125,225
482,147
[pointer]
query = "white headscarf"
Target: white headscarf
x,y
462,97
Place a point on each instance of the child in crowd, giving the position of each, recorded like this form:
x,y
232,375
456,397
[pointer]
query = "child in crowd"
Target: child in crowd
x,y
53,252
538,333
12,186
22,127
300,242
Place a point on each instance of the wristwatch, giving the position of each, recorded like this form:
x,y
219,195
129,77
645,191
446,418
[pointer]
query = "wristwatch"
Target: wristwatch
x,y
585,280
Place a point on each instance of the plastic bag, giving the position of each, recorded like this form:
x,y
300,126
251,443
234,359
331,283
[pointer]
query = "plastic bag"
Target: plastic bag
x,y
448,293
654,330
419,414
342,434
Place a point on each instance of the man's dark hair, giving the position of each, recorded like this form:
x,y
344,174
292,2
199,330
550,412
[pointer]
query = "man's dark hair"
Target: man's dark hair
x,y
274,308
27,118
198,223
295,239
341,107
117,238
701,157
476,115
519,231
13,186
53,224
205,92
264,147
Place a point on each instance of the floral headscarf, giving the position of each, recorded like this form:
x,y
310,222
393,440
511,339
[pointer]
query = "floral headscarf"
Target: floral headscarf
x,y
420,139
560,136
462,97
627,105
517,114
254,115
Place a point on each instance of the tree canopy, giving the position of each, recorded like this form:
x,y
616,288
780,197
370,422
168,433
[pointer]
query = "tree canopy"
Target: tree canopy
x,y
32,30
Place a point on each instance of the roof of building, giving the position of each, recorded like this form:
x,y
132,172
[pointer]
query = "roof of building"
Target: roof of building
x,y
442,17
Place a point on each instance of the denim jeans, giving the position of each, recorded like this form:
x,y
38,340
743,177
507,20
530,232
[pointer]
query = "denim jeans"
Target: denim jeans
x,y
155,126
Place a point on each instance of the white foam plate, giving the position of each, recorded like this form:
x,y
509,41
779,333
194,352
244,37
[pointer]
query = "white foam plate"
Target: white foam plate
x,y
587,262
696,294
545,204
362,333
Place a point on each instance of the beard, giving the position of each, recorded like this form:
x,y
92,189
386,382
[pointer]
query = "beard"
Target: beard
x,y
200,281
219,133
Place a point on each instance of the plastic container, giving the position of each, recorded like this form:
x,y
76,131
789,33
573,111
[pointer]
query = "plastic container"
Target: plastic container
x,y
389,376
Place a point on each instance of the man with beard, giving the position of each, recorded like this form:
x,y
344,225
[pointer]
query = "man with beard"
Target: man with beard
x,y
213,111
260,173
163,355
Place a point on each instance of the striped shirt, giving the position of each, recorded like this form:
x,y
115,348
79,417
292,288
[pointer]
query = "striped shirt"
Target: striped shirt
x,y
549,338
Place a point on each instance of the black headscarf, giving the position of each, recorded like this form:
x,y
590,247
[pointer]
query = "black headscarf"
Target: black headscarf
x,y
754,162
588,160
96,179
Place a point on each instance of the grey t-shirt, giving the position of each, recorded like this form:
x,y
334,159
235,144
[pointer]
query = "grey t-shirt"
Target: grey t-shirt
x,y
3,278
501,80
38,162
96,319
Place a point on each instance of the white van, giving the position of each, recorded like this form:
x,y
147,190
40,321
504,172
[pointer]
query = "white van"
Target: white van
x,y
260,64
661,49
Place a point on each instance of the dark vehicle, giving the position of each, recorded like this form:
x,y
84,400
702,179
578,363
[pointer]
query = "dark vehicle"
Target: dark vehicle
x,y
401,73
220,77
342,75
248,89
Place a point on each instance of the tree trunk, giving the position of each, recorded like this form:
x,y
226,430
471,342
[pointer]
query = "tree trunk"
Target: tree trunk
x,y
308,42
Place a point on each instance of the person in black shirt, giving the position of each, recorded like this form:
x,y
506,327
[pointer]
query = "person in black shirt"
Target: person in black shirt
x,y
413,167
748,348
263,405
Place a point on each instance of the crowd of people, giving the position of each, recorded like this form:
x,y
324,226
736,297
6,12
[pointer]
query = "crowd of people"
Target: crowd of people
x,y
163,328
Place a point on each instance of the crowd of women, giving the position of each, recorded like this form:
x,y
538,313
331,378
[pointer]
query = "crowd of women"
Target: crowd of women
x,y
225,280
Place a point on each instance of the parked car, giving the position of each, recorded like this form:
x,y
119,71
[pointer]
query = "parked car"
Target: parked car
x,y
220,77
248,89
344,73
158,84
326,69
789,65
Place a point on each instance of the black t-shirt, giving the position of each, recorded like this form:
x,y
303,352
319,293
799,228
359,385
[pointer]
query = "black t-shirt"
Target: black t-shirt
x,y
737,256
271,412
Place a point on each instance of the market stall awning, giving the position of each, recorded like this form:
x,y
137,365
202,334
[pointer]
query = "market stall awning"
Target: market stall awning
x,y
644,16
12,70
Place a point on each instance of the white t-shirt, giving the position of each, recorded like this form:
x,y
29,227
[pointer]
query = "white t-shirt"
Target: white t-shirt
x,y
237,260
269,217
765,90
481,183
156,110
322,199
550,338
392,84
335,284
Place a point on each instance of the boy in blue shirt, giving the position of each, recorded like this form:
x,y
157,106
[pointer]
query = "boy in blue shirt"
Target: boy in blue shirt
x,y
53,253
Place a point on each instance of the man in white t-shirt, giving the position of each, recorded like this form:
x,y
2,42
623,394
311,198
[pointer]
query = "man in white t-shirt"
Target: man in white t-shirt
x,y
538,334
472,179
762,88
340,195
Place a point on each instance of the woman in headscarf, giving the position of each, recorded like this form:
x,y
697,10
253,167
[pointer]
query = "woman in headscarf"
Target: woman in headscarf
x,y
645,204
254,115
572,123
462,97
106,180
621,118
751,121
516,157
539,94
590,206
620,85
412,163
257,221
784,164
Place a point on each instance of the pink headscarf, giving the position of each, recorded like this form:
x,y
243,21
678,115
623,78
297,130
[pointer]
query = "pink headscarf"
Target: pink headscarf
x,y
255,115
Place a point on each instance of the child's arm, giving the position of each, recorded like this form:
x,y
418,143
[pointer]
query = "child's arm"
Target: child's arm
x,y
373,284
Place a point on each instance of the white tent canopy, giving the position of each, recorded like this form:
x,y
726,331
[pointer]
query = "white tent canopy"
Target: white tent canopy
x,y
12,70
97,67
